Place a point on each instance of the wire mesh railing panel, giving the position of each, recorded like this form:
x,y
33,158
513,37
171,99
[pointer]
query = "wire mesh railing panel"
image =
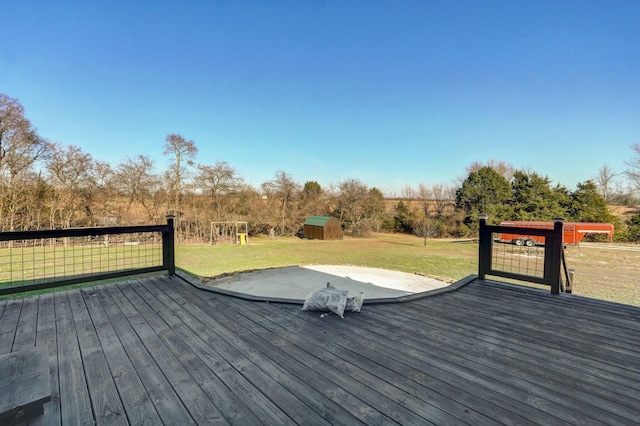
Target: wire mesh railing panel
x,y
36,261
517,259
534,256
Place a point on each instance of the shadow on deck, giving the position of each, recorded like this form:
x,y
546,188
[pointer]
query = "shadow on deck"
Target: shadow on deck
x,y
160,351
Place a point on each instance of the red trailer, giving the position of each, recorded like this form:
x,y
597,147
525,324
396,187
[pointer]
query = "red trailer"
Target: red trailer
x,y
573,232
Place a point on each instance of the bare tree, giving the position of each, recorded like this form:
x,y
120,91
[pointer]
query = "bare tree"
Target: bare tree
x,y
504,169
183,153
426,225
20,149
285,189
72,172
106,201
444,199
216,182
407,192
632,168
605,181
38,194
349,199
136,180
358,207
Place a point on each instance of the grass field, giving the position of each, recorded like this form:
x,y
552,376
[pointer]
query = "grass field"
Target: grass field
x,y
600,273
606,273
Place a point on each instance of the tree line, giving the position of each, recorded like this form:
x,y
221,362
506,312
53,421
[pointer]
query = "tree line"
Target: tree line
x,y
46,184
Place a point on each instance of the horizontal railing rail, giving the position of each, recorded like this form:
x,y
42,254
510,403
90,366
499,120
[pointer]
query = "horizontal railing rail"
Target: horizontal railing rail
x,y
539,264
40,259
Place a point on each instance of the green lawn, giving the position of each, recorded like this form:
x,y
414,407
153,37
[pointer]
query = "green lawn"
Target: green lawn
x,y
397,252
600,273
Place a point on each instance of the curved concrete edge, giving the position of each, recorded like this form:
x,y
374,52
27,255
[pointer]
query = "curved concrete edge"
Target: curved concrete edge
x,y
400,299
429,293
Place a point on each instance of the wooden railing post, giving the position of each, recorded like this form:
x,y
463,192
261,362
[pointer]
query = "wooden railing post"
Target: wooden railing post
x,y
553,256
484,247
168,246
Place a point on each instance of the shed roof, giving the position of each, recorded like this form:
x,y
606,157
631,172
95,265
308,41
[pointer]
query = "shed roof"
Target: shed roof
x,y
317,220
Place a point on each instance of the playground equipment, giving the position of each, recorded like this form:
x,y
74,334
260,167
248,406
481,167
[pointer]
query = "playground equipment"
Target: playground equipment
x,y
232,231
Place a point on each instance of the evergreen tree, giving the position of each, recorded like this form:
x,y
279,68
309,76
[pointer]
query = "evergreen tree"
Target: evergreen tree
x,y
533,198
402,218
633,228
587,205
484,192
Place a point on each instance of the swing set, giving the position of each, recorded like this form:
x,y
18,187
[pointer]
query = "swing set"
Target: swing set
x,y
234,232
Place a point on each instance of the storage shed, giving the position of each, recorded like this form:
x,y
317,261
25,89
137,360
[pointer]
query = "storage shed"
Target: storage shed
x,y
322,228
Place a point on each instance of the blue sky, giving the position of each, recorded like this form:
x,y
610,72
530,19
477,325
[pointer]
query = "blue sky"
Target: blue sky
x,y
393,93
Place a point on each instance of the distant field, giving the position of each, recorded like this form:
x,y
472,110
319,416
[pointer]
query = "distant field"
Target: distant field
x,y
605,272
600,272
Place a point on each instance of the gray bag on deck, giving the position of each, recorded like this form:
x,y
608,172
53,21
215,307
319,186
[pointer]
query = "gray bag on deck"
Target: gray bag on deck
x,y
330,299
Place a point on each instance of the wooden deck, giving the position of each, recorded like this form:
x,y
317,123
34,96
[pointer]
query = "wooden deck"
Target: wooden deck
x,y
159,351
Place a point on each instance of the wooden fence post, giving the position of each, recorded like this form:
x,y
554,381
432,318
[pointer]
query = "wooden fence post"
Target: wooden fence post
x,y
554,256
168,246
484,247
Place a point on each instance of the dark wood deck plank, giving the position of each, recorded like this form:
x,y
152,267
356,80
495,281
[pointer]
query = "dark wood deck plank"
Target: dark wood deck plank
x,y
547,365
105,399
430,368
604,326
75,403
27,325
24,387
436,400
220,372
46,336
352,379
578,313
602,403
343,352
167,403
163,352
553,334
136,402
584,305
260,369
289,365
201,409
210,370
547,336
452,319
9,324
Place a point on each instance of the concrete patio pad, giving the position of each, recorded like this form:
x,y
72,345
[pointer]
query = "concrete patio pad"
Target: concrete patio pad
x,y
294,283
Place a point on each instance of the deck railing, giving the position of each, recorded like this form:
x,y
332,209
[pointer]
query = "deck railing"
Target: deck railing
x,y
34,260
540,264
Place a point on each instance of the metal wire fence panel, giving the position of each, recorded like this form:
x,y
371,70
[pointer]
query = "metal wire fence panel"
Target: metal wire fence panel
x,y
515,259
524,259
24,262
34,260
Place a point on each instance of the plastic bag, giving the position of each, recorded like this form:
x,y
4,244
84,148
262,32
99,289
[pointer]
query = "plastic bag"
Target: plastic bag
x,y
354,303
328,299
